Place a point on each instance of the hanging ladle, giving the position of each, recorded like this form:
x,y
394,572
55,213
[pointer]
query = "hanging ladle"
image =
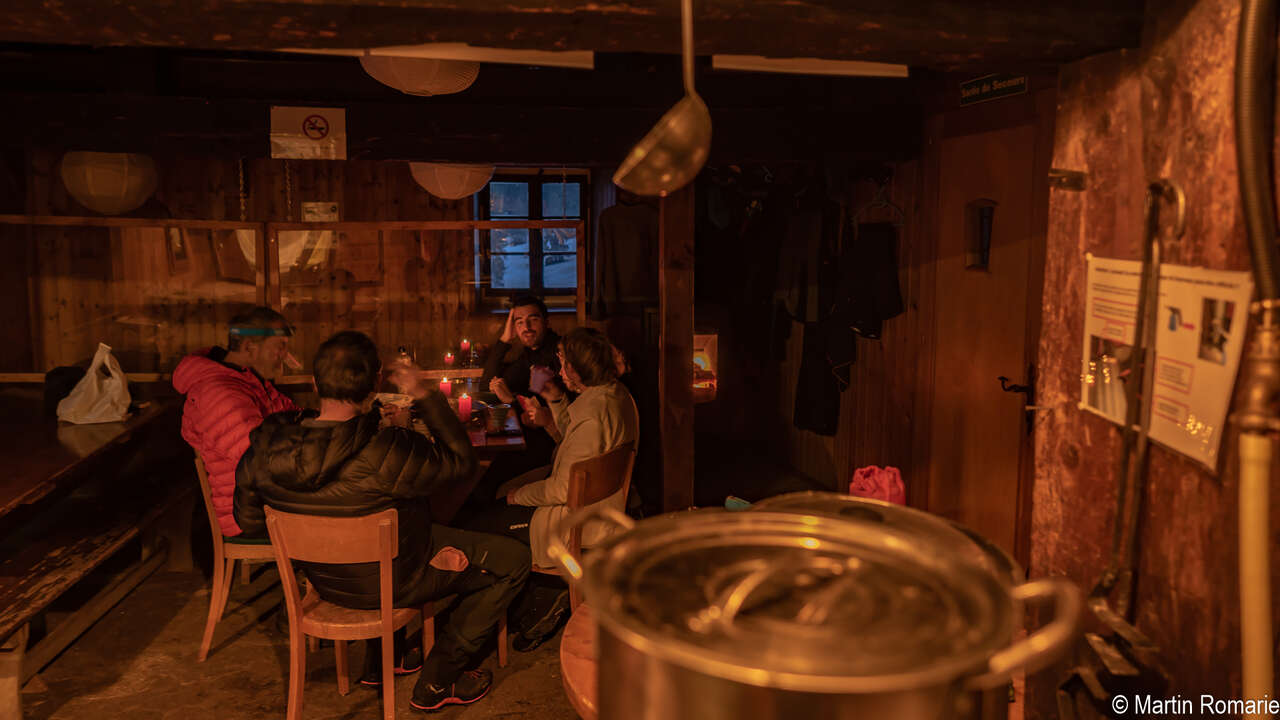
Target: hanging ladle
x,y
672,153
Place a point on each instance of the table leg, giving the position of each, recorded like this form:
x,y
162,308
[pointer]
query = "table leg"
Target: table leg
x,y
11,655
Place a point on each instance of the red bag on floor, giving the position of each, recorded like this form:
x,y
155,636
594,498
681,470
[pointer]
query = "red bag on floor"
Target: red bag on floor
x,y
879,484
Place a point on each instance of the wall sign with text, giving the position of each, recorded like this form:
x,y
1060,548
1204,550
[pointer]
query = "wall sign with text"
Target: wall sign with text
x,y
1200,333
991,87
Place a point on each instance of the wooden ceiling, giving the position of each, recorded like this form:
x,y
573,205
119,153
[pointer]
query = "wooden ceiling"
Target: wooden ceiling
x,y
148,100
938,34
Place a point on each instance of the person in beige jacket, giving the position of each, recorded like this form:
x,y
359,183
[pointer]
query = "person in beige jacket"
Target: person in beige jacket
x,y
602,417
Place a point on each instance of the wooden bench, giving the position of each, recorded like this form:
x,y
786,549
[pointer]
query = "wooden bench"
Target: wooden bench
x,y
86,536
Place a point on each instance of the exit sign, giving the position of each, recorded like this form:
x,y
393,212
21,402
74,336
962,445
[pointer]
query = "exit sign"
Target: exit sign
x,y
991,87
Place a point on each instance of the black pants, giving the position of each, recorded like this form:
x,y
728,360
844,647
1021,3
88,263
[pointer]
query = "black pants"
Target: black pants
x,y
499,518
496,571
506,466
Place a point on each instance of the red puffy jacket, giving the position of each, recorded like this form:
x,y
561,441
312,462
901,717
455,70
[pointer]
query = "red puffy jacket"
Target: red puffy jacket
x,y
223,405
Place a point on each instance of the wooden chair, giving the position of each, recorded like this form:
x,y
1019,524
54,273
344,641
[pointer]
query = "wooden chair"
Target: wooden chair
x,y
225,556
591,481
368,538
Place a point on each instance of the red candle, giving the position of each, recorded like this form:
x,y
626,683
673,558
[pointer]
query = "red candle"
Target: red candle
x,y
464,407
465,345
448,359
446,387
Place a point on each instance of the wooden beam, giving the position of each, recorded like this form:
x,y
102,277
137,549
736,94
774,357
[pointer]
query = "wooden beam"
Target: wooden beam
x,y
454,131
675,347
934,33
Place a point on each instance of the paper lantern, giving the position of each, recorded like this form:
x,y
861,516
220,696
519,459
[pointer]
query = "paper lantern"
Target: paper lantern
x,y
109,183
421,76
452,182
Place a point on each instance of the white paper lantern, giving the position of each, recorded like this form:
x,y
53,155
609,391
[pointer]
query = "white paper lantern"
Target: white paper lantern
x,y
452,182
421,76
109,183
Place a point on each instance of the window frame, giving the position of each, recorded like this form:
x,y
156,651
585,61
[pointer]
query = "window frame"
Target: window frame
x,y
536,253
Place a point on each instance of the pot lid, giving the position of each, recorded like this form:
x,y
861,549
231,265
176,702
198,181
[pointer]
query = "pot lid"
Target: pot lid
x,y
800,602
925,526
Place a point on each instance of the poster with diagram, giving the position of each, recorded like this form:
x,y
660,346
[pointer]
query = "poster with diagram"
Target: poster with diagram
x,y
1201,322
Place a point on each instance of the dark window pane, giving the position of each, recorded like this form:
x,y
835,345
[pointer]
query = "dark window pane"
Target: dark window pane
x,y
508,199
509,240
559,240
560,200
509,272
560,271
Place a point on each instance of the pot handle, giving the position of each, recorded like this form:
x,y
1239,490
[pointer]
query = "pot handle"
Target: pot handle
x,y
560,553
1042,646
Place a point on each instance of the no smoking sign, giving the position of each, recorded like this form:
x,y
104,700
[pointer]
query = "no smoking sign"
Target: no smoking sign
x,y
308,133
315,127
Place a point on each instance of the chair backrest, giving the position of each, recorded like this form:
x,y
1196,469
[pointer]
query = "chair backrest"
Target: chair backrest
x,y
338,540
597,478
207,494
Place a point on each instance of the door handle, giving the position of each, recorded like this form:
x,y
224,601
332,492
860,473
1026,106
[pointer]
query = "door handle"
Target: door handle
x,y
1005,385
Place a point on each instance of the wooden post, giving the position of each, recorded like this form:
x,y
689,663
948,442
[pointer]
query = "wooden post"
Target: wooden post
x,y
675,346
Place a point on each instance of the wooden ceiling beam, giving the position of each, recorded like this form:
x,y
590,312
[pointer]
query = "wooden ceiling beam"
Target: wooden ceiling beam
x,y
941,34
501,134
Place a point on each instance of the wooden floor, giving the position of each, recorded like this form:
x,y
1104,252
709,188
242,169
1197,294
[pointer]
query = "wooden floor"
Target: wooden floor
x,y
138,663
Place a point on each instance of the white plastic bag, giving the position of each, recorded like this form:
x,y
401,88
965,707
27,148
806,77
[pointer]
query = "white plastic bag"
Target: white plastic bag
x,y
102,395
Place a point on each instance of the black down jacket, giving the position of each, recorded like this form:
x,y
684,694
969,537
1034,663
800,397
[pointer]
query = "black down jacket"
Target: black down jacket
x,y
353,468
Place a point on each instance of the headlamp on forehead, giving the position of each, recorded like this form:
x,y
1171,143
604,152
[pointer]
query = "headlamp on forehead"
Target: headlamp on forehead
x,y
241,331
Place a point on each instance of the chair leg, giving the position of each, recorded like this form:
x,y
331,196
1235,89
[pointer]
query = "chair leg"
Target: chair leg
x,y
502,641
428,631
344,671
297,672
388,677
215,612
225,593
245,572
313,643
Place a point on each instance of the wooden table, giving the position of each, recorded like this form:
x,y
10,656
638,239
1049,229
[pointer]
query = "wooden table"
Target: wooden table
x,y
40,453
578,661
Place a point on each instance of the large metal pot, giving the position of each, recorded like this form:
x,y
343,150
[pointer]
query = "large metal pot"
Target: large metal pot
x,y
717,615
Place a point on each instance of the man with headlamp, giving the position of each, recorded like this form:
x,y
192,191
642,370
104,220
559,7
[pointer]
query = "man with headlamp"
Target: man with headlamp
x,y
229,391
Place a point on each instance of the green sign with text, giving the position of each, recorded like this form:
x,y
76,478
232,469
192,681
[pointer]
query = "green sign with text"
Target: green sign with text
x,y
991,87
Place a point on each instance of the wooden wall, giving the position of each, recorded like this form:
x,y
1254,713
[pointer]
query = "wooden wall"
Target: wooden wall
x,y
126,288
892,376
1127,118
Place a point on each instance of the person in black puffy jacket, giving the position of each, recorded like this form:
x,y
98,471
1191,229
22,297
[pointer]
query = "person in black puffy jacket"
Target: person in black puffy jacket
x,y
340,462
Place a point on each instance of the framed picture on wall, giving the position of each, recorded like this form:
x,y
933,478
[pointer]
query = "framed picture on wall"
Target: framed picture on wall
x,y
176,249
235,255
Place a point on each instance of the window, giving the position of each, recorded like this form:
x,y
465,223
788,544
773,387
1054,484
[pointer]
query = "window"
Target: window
x,y
542,261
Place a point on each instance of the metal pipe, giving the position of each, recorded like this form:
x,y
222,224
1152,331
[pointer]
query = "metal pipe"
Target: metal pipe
x,y
1260,381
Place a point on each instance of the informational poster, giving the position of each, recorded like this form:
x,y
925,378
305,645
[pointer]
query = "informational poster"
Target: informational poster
x,y
1201,321
308,133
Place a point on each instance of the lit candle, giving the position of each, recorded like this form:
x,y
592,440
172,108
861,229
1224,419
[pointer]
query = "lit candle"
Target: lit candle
x,y
446,387
464,407
465,345
448,359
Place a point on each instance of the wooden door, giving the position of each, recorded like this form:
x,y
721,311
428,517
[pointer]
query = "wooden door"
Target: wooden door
x,y
979,432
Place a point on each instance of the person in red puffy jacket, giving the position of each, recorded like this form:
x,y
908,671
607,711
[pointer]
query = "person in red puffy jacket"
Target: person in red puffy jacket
x,y
229,392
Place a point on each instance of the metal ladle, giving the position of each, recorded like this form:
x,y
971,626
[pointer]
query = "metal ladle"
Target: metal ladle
x,y
673,152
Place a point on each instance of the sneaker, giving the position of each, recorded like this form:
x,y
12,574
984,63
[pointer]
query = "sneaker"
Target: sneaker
x,y
543,628
468,688
408,665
